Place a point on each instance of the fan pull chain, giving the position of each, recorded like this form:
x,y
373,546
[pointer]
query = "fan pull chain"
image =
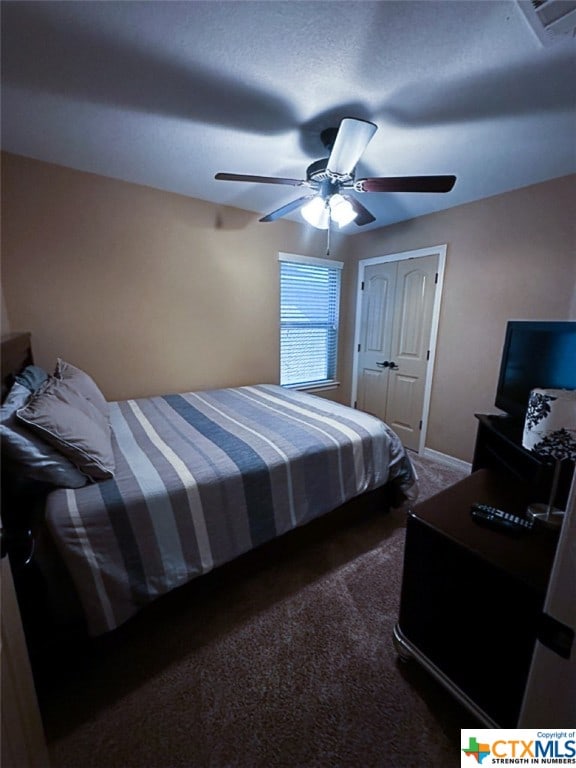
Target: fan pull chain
x,y
328,235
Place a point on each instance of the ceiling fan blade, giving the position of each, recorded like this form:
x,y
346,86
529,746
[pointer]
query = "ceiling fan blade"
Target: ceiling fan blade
x,y
288,208
406,184
260,179
363,215
351,140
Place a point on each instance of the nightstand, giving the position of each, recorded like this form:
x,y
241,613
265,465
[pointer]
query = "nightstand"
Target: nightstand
x,y
472,597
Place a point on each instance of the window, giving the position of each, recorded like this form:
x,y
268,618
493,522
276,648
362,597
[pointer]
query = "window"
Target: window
x,y
309,304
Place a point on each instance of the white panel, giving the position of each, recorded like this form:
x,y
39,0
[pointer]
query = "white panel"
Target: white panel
x,y
550,687
413,294
375,326
373,388
405,390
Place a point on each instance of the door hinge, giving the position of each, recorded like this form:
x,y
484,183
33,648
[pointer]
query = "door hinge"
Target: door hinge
x,y
362,285
428,355
436,279
359,347
555,635
420,426
355,403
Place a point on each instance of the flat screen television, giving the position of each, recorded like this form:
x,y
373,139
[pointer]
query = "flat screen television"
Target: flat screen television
x,y
536,353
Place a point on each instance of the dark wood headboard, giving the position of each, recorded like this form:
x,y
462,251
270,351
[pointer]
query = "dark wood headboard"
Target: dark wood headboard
x,y
19,498
16,355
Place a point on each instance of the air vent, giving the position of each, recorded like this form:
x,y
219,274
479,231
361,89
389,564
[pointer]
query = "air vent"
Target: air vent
x,y
551,20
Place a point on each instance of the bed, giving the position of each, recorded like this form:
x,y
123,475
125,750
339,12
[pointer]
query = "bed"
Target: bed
x,y
193,480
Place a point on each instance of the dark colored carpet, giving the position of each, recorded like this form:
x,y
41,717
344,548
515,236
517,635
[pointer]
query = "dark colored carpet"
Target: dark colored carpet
x,y
282,659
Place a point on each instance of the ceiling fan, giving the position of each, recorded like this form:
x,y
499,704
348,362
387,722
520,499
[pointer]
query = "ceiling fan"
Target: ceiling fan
x,y
331,180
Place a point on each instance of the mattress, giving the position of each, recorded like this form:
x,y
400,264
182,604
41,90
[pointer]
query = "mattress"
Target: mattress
x,y
202,477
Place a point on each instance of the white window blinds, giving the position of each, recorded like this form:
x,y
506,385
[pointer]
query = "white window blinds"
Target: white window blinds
x,y
309,305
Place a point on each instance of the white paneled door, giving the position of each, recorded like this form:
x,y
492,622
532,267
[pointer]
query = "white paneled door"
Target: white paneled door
x,y
394,351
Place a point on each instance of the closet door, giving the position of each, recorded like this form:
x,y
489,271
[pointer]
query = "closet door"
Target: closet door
x,y
396,322
413,307
376,338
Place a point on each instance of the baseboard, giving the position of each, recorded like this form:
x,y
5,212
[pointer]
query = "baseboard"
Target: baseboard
x,y
444,458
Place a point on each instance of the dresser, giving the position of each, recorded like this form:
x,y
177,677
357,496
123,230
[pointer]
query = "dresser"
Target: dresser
x,y
472,597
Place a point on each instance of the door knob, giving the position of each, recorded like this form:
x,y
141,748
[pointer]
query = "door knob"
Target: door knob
x,y
388,364
393,366
385,364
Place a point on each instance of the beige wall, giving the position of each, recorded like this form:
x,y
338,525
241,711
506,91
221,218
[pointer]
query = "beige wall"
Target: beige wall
x,y
150,292
509,256
153,292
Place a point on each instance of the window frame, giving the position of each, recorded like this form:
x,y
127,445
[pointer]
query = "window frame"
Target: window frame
x,y
318,384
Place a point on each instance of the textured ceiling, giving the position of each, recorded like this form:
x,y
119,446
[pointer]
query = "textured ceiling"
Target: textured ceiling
x,y
169,93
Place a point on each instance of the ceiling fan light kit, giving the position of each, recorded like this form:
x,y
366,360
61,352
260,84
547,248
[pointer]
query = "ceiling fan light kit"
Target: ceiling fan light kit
x,y
316,213
319,211
341,210
330,179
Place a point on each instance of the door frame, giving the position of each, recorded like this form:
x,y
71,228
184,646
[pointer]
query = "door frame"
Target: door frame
x,y
22,735
434,250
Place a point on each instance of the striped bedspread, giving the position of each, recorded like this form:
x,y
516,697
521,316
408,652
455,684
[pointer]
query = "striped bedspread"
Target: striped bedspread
x,y
202,477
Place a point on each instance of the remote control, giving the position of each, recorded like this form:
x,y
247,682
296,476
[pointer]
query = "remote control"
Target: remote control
x,y
484,514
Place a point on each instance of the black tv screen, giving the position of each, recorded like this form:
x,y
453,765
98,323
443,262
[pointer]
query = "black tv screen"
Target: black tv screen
x,y
535,354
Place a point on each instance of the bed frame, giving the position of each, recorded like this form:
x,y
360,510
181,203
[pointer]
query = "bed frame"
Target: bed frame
x,y
30,548
25,541
16,355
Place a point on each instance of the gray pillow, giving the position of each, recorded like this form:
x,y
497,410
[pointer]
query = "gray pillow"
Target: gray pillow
x,y
83,384
35,458
63,417
32,377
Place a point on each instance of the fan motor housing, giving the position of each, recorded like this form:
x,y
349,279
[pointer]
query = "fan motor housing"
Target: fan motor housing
x,y
317,171
326,185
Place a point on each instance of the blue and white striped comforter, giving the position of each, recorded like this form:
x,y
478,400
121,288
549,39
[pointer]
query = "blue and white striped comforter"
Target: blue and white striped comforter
x,y
202,477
